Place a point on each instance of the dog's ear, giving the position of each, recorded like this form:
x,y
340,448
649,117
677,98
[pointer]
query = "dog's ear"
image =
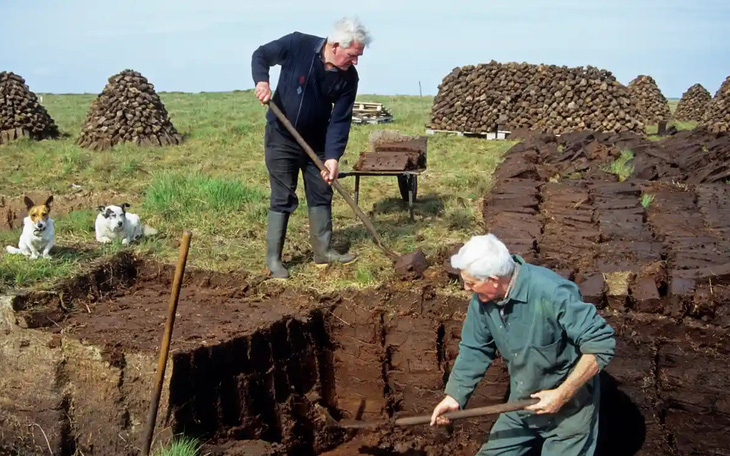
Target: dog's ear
x,y
101,208
28,203
107,213
49,201
124,206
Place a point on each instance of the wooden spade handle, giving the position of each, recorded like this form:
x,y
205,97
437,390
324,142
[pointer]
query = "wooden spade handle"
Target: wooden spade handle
x,y
469,413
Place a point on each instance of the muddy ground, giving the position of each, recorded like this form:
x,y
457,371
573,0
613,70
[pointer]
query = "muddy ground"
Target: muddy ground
x,y
661,268
254,366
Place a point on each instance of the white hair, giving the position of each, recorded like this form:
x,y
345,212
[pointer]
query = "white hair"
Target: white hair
x,y
484,256
348,30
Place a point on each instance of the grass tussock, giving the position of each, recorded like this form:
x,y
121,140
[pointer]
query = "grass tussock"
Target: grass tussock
x,y
623,166
182,446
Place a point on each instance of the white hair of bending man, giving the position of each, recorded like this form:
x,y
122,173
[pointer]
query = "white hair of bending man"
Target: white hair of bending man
x,y
483,257
349,30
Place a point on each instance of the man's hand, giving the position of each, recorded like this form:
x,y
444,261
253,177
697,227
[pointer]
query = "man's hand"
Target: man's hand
x,y
263,92
550,401
448,404
331,166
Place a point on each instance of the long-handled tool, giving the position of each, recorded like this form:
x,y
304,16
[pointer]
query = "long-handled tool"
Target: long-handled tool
x,y
410,264
165,346
425,419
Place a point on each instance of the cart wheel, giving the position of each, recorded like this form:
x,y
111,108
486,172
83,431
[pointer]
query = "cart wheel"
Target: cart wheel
x,y
406,182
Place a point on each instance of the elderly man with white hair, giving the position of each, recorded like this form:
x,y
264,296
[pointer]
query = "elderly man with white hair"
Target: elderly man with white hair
x,y
554,345
316,92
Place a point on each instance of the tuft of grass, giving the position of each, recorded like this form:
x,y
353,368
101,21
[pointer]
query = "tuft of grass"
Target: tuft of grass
x,y
203,202
622,166
130,166
646,200
181,446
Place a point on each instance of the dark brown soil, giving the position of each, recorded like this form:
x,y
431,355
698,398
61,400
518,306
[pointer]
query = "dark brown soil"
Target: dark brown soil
x,y
660,271
255,366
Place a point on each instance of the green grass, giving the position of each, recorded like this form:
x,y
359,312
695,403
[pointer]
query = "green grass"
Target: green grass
x,y
216,185
182,446
652,129
646,200
622,166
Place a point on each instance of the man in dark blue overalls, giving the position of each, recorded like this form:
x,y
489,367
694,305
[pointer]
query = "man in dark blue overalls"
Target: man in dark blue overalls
x,y
316,92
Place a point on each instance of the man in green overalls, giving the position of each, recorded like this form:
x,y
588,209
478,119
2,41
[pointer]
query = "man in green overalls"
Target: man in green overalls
x,y
554,344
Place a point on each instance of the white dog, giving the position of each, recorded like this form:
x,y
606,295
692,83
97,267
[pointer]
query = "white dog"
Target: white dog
x,y
114,222
38,232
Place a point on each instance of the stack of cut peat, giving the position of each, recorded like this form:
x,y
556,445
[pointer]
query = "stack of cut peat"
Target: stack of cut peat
x,y
653,106
392,151
482,98
652,252
127,110
21,115
717,116
693,104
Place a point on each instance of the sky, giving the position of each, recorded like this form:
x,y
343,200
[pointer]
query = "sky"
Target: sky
x,y
74,46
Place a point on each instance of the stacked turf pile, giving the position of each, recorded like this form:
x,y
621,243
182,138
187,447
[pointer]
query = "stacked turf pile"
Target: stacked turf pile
x,y
542,97
653,107
127,110
21,115
693,104
717,116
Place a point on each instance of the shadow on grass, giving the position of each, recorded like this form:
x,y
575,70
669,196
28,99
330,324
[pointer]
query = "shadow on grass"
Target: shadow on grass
x,y
426,205
72,253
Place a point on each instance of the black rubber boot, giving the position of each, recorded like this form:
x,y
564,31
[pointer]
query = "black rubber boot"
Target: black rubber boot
x,y
275,235
320,235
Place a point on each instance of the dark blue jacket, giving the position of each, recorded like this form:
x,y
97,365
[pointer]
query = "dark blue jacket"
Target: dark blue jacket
x,y
306,91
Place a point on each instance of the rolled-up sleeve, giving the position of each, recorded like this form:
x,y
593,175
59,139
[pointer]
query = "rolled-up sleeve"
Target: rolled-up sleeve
x,y
476,353
586,329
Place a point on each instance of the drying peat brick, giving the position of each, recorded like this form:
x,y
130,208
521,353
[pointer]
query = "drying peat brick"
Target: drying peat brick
x,y
717,115
545,98
693,104
127,110
653,107
21,115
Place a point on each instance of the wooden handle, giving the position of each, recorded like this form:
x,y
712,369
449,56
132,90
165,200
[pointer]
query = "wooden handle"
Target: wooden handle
x,y
469,413
335,183
165,346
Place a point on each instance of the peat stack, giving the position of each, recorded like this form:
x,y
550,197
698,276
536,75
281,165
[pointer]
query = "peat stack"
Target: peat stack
x,y
127,110
21,115
717,116
541,97
693,104
653,107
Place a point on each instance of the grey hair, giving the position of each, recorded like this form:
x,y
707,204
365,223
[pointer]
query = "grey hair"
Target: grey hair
x,y
347,30
484,256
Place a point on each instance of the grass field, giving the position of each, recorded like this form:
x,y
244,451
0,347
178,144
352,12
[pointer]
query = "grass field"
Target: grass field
x,y
216,185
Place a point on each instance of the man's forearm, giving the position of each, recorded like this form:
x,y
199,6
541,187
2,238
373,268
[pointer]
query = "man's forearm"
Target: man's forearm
x,y
585,369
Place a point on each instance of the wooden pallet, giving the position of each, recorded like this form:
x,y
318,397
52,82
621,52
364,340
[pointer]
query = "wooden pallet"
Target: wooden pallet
x,y
370,113
490,135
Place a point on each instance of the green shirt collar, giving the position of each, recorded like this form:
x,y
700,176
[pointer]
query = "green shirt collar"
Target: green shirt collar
x,y
519,290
